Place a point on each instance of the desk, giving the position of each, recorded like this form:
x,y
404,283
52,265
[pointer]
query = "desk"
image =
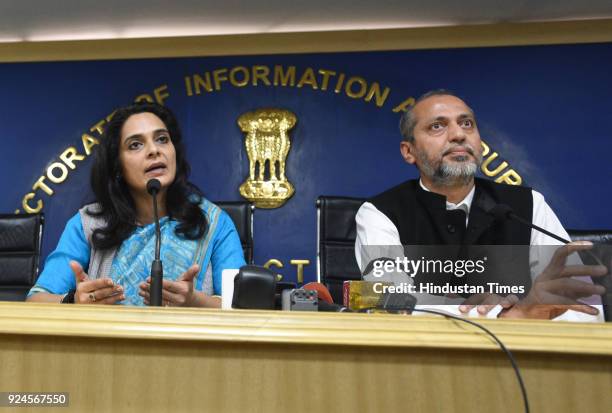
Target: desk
x,y
173,360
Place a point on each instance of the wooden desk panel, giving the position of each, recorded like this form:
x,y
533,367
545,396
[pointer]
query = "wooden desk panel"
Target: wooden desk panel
x,y
175,360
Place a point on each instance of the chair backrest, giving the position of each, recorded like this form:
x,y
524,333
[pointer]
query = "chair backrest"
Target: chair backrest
x,y
241,213
336,233
20,243
598,237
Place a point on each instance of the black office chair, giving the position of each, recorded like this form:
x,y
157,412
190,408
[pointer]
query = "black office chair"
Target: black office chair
x,y
20,243
595,236
598,237
241,213
336,233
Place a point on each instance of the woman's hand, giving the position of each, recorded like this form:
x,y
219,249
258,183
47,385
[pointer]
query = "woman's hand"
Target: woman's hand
x,y
179,293
100,291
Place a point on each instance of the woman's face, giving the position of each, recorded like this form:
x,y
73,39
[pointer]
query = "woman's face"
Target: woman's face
x,y
146,151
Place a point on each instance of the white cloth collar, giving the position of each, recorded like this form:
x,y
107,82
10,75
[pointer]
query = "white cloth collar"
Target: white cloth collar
x,y
465,204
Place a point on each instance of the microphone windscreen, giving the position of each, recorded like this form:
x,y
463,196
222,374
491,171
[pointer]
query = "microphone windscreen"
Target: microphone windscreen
x,y
321,290
153,186
500,212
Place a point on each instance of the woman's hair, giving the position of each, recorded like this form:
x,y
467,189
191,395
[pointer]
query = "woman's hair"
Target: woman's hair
x,y
117,207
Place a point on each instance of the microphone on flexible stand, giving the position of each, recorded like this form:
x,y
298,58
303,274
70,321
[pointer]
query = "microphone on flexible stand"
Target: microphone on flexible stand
x,y
503,212
157,270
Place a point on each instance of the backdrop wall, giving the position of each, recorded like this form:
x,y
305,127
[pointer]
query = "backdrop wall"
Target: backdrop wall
x,y
544,110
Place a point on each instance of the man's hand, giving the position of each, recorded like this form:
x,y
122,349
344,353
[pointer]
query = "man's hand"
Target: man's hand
x,y
179,293
100,291
486,302
554,291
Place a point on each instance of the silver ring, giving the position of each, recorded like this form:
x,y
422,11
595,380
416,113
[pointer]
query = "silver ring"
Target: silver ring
x,y
92,297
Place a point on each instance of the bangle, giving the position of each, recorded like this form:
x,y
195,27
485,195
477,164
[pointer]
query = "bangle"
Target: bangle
x,y
68,298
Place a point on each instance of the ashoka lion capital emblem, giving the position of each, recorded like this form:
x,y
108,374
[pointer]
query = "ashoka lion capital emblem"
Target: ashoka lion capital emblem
x,y
267,145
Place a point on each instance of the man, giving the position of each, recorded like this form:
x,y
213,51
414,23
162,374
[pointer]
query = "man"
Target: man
x,y
448,206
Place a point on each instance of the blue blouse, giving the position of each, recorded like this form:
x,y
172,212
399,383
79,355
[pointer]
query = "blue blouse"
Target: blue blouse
x,y
219,249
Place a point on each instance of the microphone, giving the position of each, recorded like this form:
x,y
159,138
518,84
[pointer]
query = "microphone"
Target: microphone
x,y
153,186
326,303
322,291
157,270
504,212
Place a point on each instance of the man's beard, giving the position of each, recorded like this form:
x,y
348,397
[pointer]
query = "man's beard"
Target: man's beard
x,y
447,173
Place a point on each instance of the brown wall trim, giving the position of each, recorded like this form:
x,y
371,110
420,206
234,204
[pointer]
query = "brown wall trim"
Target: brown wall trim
x,y
506,34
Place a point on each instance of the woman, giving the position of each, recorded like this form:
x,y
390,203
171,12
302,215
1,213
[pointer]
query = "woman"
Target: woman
x,y
114,238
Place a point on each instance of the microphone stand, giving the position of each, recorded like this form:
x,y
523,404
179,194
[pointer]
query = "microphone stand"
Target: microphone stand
x,y
512,215
157,270
505,212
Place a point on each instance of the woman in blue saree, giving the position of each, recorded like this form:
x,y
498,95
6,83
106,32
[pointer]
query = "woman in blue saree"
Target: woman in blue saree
x,y
105,252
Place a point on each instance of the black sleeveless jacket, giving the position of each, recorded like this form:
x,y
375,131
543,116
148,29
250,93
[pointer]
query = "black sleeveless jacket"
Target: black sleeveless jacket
x,y
421,219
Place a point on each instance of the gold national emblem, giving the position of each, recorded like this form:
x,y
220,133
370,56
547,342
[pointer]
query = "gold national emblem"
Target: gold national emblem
x,y
267,145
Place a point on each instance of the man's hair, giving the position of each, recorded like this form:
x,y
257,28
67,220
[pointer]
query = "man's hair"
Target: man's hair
x,y
408,120
113,194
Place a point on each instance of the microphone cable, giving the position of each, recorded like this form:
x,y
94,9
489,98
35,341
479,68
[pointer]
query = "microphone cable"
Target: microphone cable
x,y
501,345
